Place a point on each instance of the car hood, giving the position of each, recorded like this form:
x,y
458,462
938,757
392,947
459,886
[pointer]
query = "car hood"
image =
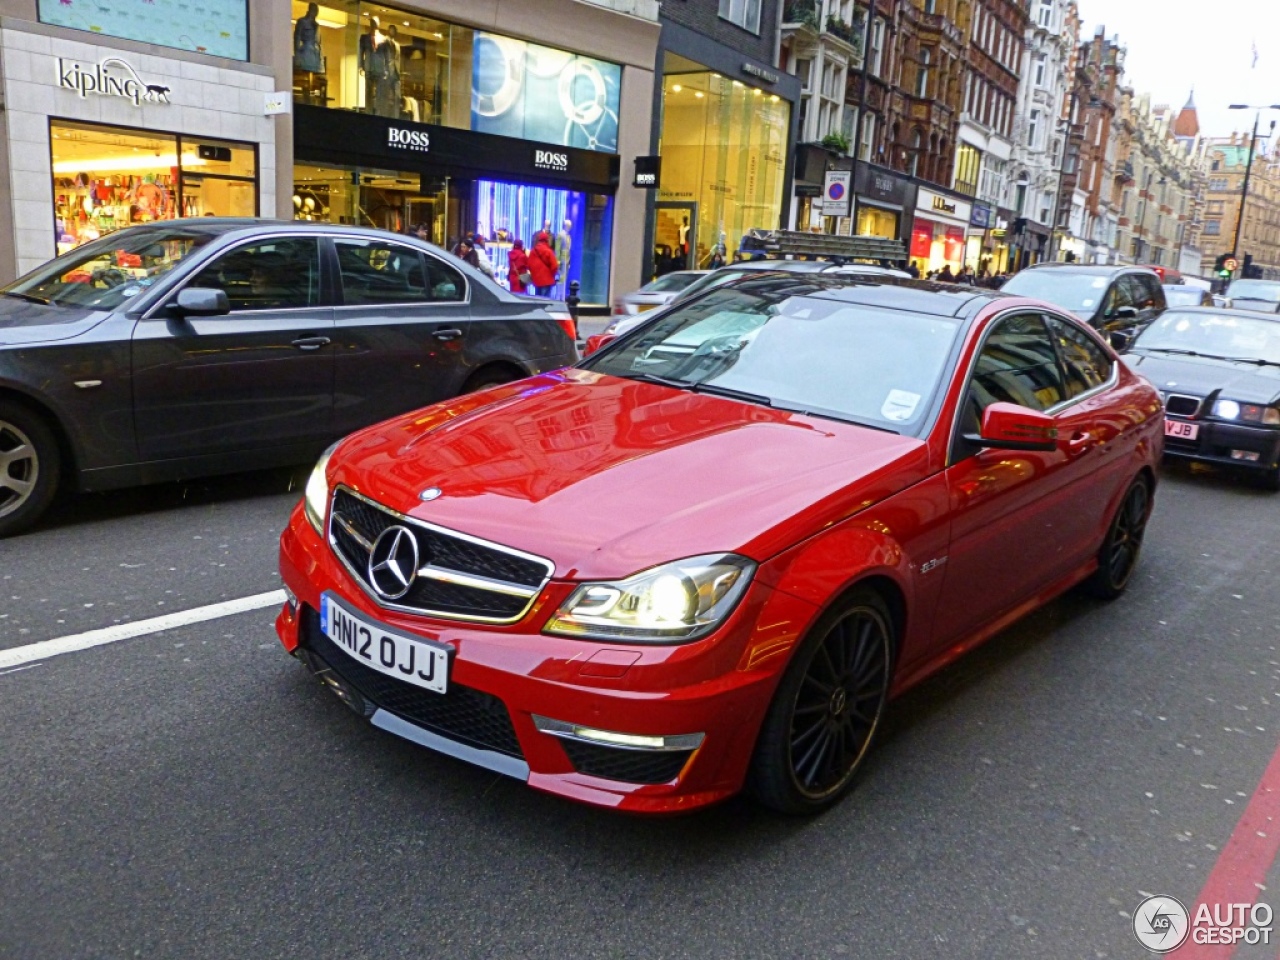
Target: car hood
x,y
24,322
606,476
1200,377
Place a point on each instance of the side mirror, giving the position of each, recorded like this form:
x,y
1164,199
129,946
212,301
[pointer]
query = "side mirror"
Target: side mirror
x,y
1008,426
202,302
596,341
1120,340
1125,313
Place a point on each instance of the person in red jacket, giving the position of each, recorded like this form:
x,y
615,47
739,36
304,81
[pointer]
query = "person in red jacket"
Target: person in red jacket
x,y
543,265
518,267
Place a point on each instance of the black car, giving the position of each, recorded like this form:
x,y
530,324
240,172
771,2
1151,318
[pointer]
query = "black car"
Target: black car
x,y
1219,373
1108,298
195,347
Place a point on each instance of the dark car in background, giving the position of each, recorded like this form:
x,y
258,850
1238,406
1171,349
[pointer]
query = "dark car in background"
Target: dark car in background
x,y
196,347
1108,298
1219,373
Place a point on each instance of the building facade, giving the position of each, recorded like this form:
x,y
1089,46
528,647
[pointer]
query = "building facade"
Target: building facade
x,y
1226,160
121,119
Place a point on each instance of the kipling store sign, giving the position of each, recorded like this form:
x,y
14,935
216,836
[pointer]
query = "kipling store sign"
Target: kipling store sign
x,y
111,77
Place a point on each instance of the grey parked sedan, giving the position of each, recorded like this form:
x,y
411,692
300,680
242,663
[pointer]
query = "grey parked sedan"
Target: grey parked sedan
x,y
196,347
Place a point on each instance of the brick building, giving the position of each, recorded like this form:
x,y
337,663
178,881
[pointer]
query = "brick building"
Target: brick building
x,y
1225,160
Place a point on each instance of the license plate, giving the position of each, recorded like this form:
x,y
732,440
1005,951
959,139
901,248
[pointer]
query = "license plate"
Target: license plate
x,y
414,660
1181,430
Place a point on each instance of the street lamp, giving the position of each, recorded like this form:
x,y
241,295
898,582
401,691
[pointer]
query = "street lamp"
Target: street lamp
x,y
1248,169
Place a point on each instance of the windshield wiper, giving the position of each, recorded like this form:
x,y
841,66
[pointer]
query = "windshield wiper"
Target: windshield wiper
x,y
654,378
729,393
1256,361
28,297
1181,353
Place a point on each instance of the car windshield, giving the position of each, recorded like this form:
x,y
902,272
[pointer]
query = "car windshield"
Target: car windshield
x,y
1078,292
1183,296
1254,290
764,343
670,283
104,274
1223,335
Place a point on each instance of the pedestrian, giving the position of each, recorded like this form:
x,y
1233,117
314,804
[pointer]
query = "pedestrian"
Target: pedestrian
x,y
422,233
966,276
946,276
912,269
466,252
482,257
543,265
518,275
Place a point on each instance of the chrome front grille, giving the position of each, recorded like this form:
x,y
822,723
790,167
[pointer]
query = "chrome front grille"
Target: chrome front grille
x,y
1181,405
458,577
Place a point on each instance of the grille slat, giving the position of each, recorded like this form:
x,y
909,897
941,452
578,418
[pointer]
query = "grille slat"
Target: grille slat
x,y
1182,406
629,766
440,549
463,714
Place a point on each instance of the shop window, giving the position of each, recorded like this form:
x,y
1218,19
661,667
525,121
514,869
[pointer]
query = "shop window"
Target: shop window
x,y
380,273
106,178
393,200
278,274
394,63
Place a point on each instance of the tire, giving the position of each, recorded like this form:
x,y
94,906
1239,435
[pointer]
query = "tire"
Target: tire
x,y
1122,547
489,377
803,765
30,465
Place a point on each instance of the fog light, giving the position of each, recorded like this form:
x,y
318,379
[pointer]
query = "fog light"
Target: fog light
x,y
630,741
1250,455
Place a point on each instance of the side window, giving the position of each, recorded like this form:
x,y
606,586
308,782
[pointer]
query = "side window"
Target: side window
x,y
444,282
1017,365
375,272
1085,364
273,274
1138,292
1121,295
1154,293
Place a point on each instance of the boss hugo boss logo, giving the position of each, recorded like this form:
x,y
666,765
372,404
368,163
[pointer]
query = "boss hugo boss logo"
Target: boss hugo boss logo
x,y
111,77
550,160
404,139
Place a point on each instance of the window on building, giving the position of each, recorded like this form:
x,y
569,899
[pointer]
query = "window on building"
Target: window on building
x,y
868,136
1045,15
804,67
922,74
1218,185
1038,69
1046,204
1033,129
877,47
913,158
744,13
968,164
1212,228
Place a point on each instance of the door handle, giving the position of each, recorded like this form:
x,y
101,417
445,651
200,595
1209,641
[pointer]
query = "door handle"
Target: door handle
x,y
311,343
1082,441
449,333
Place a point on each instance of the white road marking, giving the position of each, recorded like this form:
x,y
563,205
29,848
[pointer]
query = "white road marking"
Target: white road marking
x,y
139,628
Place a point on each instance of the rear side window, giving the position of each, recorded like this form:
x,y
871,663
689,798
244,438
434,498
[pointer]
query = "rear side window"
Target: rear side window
x,y
1017,365
278,274
1085,364
444,282
379,273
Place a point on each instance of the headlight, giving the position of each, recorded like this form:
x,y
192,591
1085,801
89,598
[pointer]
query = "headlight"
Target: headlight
x,y
673,603
1271,416
315,501
1227,409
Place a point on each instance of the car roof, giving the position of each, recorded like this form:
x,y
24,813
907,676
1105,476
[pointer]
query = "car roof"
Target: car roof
x,y
879,290
1094,269
1259,314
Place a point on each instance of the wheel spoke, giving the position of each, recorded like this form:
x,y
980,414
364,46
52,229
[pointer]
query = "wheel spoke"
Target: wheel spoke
x,y
823,688
21,487
812,757
799,738
18,454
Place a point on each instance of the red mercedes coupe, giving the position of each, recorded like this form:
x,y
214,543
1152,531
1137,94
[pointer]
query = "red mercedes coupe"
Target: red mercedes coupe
x,y
707,557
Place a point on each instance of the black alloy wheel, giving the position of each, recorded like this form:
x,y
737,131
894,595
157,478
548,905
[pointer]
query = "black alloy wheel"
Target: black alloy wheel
x,y
827,709
29,466
1120,550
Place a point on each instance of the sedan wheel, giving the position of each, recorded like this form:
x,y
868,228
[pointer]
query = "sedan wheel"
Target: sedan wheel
x,y
1119,554
827,709
28,468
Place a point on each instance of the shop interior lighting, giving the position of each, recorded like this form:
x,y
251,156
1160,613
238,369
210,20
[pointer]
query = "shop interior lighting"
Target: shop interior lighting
x,y
120,164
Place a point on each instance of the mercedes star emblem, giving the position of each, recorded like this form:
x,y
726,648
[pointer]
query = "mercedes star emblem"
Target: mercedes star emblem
x,y
393,562
430,493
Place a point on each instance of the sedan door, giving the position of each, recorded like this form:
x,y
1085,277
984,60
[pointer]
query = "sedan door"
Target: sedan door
x,y
257,380
1006,505
401,329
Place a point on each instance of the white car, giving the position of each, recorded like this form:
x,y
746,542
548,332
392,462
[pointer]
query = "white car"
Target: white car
x,y
656,294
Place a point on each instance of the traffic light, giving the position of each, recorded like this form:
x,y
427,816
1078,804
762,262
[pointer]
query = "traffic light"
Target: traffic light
x,y
1249,271
1220,265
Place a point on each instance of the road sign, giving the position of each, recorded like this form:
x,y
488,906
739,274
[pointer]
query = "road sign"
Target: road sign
x,y
835,193
1231,263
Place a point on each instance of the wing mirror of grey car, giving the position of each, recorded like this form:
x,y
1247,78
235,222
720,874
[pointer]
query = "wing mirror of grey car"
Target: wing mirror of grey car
x,y
1125,313
202,302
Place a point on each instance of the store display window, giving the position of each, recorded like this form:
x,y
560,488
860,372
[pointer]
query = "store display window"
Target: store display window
x,y
394,200
107,178
875,222
395,63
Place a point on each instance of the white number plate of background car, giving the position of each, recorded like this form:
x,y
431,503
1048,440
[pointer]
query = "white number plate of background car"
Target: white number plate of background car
x,y
1181,430
414,660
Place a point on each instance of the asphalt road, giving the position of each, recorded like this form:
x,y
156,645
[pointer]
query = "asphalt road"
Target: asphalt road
x,y
194,794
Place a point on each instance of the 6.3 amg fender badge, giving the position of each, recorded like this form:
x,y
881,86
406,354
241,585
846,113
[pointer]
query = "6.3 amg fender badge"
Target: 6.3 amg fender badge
x,y
393,562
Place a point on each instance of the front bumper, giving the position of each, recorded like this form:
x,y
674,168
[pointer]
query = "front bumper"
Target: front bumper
x,y
506,682
1216,442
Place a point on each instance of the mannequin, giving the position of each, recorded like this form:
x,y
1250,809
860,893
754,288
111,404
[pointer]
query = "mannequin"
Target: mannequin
x,y
306,42
380,63
564,252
